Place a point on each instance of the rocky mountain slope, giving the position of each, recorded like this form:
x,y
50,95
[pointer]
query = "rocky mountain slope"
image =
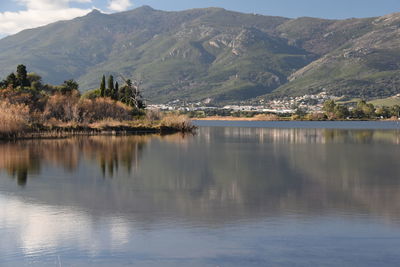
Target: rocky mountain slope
x,y
214,53
366,65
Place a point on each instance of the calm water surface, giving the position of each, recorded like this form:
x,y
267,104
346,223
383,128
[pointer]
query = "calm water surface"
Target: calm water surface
x,y
240,194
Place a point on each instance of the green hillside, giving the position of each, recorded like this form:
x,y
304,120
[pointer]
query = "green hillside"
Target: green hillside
x,y
214,53
367,65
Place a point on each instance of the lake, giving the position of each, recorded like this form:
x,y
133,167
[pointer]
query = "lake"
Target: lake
x,y
234,194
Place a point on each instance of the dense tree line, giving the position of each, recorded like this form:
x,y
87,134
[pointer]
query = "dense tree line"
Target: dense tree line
x,y
24,96
362,110
23,91
23,82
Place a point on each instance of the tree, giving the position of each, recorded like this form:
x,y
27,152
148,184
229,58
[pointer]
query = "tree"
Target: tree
x,y
133,96
121,94
116,91
22,76
341,112
358,112
33,77
110,88
36,86
12,80
35,81
329,106
365,109
127,91
395,111
383,112
301,112
3,84
103,86
91,94
69,86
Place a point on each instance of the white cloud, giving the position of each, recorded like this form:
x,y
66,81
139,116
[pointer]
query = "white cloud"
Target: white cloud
x,y
37,228
48,4
119,5
38,13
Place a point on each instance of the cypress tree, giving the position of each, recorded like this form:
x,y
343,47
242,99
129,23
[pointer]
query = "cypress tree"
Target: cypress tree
x,y
116,91
128,94
103,87
110,89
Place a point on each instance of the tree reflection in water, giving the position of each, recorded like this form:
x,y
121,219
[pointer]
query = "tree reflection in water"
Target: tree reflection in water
x,y
220,173
25,158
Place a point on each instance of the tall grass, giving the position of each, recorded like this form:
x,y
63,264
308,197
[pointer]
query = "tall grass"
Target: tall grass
x,y
25,117
14,118
180,122
103,108
266,117
153,115
73,109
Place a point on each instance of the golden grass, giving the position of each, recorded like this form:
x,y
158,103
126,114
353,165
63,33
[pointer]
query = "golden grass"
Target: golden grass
x,y
65,115
68,108
109,122
103,109
259,117
266,117
14,118
180,122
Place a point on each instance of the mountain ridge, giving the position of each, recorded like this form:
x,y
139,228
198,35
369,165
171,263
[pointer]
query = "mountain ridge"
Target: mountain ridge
x,y
214,53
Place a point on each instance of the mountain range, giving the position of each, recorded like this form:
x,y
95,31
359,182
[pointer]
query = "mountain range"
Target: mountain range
x,y
215,54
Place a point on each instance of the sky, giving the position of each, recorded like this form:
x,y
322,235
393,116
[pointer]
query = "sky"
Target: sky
x,y
16,15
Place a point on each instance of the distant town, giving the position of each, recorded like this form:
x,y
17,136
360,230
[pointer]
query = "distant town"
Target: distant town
x,y
287,105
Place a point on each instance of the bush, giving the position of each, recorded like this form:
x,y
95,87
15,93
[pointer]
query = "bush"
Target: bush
x,y
61,107
91,94
35,100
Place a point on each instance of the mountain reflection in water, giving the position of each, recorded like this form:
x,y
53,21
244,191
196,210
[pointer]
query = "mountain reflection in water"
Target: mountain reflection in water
x,y
220,174
224,197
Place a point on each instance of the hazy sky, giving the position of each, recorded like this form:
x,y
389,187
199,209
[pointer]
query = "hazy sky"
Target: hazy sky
x,y
16,15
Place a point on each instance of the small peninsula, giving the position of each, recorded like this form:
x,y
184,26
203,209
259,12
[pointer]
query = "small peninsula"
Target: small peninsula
x,y
31,109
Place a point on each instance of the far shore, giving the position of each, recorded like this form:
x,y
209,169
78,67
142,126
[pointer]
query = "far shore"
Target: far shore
x,y
231,118
114,128
65,132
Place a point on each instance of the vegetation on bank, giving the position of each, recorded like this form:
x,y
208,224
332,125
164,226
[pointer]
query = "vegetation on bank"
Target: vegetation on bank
x,y
330,111
30,108
361,111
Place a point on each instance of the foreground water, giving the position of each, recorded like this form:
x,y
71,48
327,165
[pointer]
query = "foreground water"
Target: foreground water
x,y
230,196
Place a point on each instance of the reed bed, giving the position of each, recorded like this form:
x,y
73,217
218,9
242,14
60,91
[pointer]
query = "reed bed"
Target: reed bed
x,y
14,119
179,122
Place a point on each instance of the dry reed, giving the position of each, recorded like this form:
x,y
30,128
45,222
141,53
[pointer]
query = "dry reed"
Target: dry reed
x,y
14,118
266,117
180,122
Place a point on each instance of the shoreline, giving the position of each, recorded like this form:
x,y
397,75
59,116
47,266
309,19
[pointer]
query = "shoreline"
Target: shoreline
x,y
67,132
229,118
